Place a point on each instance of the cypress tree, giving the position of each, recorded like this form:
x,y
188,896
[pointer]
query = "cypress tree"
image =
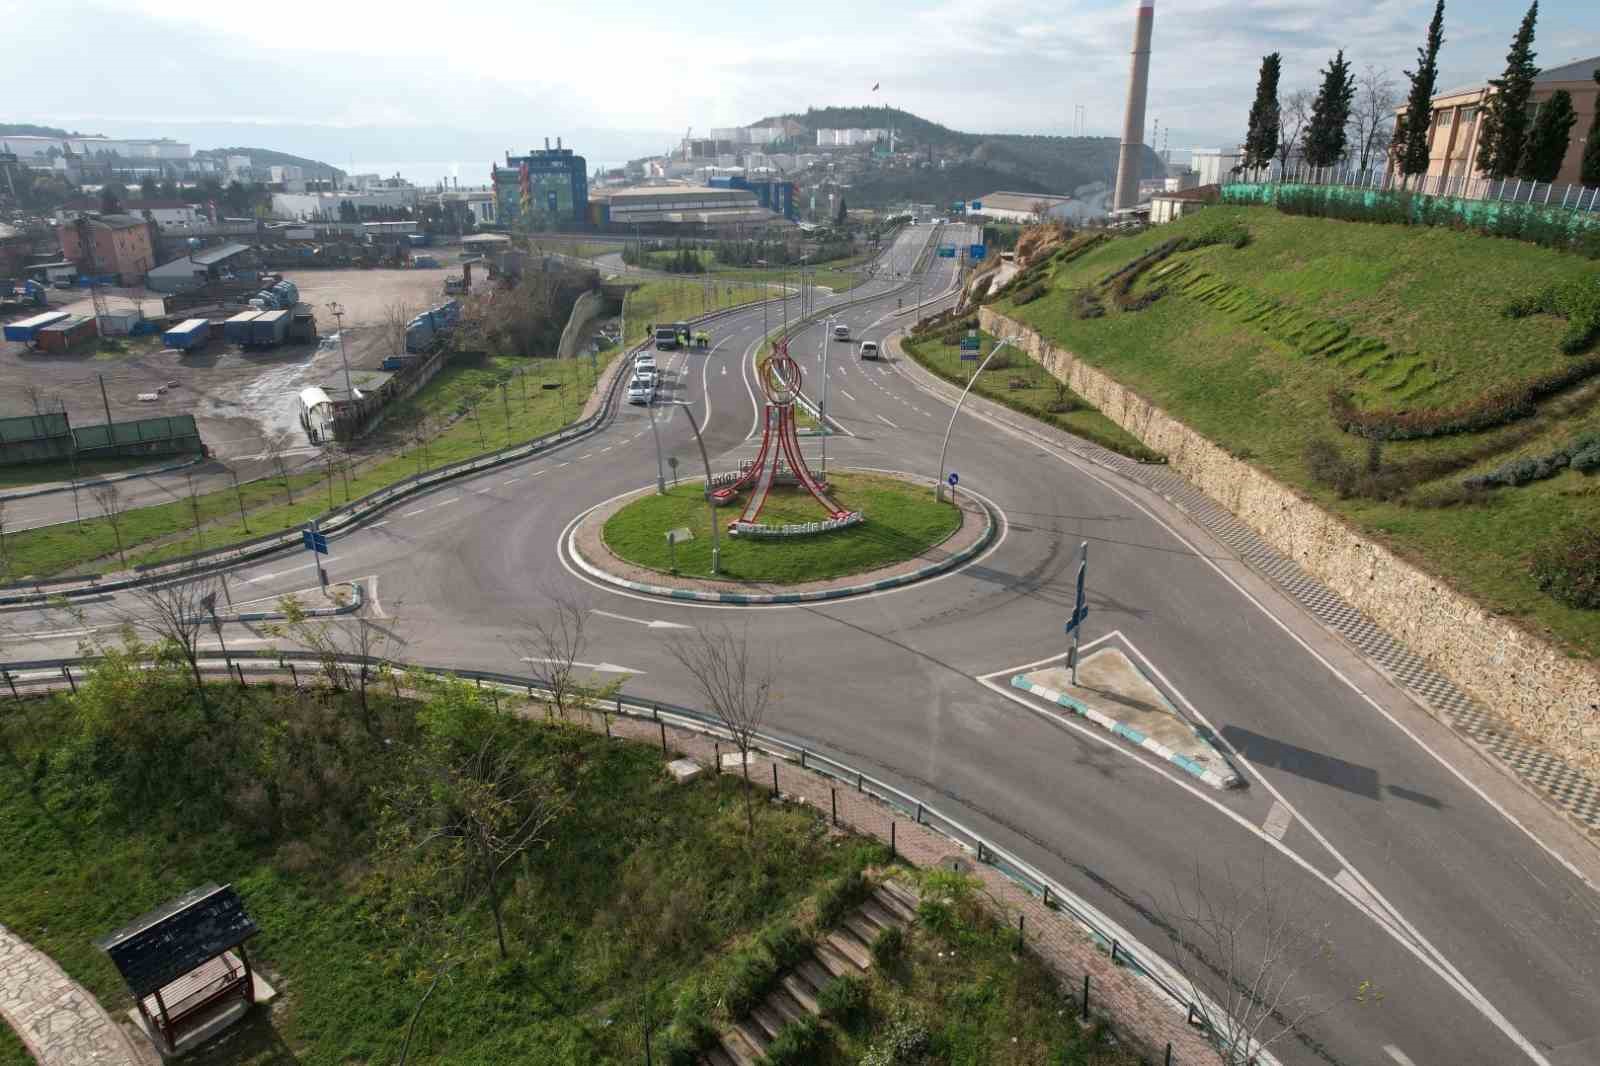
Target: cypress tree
x,y
1419,105
1590,172
1505,112
1548,139
1261,141
1330,114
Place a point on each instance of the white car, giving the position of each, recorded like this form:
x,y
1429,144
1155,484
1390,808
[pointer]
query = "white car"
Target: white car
x,y
644,359
869,350
646,373
641,391
841,332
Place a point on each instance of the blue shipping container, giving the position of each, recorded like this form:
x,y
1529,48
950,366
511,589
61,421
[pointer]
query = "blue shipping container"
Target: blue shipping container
x,y
269,328
27,331
237,329
187,334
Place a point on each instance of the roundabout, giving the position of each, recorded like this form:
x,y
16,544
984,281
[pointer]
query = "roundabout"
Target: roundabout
x,y
910,537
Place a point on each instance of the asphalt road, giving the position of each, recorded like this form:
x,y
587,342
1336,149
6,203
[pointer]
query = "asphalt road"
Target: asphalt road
x,y
1460,921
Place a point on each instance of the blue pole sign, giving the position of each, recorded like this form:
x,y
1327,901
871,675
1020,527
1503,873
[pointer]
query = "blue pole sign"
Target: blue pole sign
x,y
314,541
954,479
977,251
977,205
947,251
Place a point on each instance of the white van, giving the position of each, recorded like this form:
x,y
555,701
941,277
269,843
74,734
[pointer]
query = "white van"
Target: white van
x,y
869,350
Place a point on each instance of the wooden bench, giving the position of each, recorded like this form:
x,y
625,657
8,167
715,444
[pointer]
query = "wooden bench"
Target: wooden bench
x,y
196,991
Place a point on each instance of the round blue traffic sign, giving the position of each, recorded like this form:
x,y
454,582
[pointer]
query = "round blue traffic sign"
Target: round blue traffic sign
x,y
954,479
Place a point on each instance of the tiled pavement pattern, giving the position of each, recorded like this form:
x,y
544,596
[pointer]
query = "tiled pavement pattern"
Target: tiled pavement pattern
x,y
61,1024
1561,785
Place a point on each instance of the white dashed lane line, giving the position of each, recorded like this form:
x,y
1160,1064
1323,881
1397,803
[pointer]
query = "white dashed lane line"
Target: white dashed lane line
x,y
846,395
510,480
408,514
888,423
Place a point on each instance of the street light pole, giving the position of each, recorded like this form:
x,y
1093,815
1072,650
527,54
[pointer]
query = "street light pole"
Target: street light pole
x,y
337,312
938,486
822,408
716,534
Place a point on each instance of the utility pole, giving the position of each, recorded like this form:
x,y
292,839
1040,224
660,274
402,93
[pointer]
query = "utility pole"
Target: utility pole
x,y
107,403
337,311
822,407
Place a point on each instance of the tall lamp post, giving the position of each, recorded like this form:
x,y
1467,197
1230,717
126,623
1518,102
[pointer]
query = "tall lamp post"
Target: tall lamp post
x,y
337,311
938,486
822,406
716,534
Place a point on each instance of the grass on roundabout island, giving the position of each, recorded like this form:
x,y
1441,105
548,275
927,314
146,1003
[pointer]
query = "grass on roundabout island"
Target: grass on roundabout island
x,y
902,521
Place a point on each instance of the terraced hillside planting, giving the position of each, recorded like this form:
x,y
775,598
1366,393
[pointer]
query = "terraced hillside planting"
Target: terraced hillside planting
x,y
1439,389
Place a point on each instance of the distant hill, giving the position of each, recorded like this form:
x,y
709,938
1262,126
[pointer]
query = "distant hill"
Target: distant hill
x,y
266,157
1013,161
28,129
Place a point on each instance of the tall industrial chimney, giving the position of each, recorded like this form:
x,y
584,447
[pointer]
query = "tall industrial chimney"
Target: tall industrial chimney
x,y
1131,156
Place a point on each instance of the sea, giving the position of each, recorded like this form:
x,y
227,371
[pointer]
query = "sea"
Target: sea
x,y
472,174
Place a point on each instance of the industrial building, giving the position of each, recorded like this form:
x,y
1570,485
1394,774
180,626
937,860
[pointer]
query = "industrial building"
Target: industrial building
x,y
850,138
166,214
1171,206
776,195
326,206
545,188
121,245
686,205
1029,206
1215,165
198,270
1457,125
35,150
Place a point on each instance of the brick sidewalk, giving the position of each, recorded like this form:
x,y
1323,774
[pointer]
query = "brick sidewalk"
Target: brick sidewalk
x,y
60,1022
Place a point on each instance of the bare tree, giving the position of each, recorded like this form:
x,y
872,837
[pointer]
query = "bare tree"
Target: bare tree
x,y
1294,113
392,323
194,511
107,497
352,652
275,452
480,811
175,613
35,397
738,690
1240,949
552,648
1372,118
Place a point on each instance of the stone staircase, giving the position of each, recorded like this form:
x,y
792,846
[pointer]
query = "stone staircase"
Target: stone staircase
x,y
841,951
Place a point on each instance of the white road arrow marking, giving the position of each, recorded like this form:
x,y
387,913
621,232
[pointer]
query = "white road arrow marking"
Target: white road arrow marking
x,y
604,668
653,624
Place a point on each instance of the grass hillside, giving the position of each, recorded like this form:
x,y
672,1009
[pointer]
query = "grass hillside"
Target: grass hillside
x,y
1438,389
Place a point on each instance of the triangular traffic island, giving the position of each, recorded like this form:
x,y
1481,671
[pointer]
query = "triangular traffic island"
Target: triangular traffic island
x,y
1114,694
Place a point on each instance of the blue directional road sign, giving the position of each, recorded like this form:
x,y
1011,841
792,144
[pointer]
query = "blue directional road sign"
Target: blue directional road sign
x,y
977,251
969,344
314,541
977,205
954,479
959,205
947,251
1080,609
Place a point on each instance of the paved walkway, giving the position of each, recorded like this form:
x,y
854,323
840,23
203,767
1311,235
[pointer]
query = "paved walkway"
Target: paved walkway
x,y
60,1022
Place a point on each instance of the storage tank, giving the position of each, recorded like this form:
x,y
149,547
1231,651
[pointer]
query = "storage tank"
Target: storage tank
x,y
236,330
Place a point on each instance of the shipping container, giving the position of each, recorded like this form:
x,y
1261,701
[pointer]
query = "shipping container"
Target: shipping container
x,y
28,329
237,329
270,328
63,336
191,333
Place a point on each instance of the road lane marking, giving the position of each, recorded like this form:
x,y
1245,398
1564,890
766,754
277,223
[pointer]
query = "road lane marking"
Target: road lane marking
x,y
536,473
604,668
891,425
846,395
581,458
646,622
509,480
1278,820
446,503
285,570
408,514
1397,1055
375,525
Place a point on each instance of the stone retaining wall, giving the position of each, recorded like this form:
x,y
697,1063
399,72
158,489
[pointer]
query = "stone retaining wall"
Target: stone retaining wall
x,y
1527,681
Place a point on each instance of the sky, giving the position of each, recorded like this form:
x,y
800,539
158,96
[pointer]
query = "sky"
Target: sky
x,y
403,81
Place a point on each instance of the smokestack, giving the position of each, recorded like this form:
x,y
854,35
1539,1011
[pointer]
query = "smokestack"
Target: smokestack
x,y
558,143
547,144
1130,156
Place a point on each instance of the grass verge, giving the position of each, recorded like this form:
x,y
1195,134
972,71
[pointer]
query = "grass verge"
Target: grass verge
x,y
676,300
903,520
1017,382
496,418
636,889
1254,368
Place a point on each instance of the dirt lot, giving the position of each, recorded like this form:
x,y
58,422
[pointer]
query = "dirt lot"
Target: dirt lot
x,y
237,397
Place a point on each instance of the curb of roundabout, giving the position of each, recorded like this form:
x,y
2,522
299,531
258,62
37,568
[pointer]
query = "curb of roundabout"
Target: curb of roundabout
x,y
994,522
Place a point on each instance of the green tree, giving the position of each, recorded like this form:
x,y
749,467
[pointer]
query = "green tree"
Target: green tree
x,y
842,214
148,187
347,212
1261,139
1548,139
1505,112
112,193
1330,114
1419,104
1590,173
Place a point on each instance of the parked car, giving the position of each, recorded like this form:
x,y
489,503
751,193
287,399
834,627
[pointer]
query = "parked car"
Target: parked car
x,y
869,349
646,373
841,332
644,358
641,391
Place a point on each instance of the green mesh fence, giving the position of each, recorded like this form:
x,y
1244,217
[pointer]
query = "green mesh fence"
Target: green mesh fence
x,y
1536,222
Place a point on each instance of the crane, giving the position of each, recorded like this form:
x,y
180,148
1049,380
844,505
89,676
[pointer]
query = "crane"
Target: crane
x,y
688,148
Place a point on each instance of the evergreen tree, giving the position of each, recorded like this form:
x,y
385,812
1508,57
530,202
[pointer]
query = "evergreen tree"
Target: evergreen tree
x,y
1419,105
1548,139
1505,112
1261,141
1330,114
842,213
1589,174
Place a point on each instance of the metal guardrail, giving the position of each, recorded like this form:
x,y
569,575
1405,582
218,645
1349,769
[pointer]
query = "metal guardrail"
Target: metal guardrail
x,y
338,520
51,673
